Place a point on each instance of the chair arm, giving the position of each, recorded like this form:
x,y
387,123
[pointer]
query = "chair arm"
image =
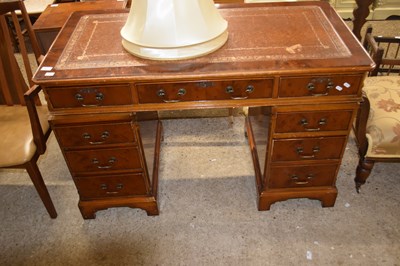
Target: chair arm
x,y
374,50
360,127
39,138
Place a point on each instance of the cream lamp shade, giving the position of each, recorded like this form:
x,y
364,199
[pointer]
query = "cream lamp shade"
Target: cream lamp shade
x,y
173,29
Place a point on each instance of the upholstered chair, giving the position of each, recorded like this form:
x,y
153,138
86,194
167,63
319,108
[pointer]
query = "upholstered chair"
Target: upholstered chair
x,y
377,126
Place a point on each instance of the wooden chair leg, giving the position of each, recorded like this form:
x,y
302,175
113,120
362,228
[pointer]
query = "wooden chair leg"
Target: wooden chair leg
x,y
364,169
41,188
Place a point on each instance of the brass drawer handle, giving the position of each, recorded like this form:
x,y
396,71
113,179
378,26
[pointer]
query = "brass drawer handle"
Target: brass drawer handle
x,y
301,182
162,94
111,162
118,187
300,151
296,180
103,136
112,192
249,89
304,123
99,98
311,86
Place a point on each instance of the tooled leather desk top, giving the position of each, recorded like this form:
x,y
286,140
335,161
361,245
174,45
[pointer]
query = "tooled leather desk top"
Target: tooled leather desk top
x,y
262,38
306,33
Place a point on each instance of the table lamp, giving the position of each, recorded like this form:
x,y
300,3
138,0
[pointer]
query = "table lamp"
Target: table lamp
x,y
173,29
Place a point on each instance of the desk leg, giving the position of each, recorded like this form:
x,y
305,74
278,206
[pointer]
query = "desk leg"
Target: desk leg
x,y
89,208
327,196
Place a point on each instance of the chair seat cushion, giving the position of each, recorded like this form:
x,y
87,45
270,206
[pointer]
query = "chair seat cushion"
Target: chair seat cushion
x,y
383,126
16,140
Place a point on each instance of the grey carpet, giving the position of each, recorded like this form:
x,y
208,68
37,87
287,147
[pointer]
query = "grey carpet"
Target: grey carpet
x,y
208,213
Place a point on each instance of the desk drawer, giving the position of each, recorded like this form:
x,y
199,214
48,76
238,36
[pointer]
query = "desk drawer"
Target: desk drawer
x,y
94,135
320,86
112,186
308,149
92,96
208,90
104,160
303,176
313,121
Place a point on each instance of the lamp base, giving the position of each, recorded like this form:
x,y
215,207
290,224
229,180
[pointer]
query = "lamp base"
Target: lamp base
x,y
176,53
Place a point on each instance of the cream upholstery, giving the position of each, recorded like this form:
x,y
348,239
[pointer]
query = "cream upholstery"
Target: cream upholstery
x,y
383,126
17,145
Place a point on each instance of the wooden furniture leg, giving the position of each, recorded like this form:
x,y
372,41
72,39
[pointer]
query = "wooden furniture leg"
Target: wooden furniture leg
x,y
364,169
37,180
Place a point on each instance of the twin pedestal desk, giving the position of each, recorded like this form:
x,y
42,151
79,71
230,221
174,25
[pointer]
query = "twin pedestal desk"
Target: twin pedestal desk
x,y
296,66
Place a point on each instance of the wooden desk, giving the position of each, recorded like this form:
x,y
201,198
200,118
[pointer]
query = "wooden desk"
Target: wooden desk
x,y
50,22
297,66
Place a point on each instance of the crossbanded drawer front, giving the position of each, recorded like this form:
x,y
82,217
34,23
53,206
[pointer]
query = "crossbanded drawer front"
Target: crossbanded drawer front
x,y
302,176
315,121
104,160
94,135
308,149
206,90
94,96
320,86
112,186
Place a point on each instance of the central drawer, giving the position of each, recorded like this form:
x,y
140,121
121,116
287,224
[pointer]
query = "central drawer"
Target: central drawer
x,y
112,186
104,160
205,90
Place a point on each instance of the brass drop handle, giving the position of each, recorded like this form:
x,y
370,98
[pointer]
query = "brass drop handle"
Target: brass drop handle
x,y
111,162
304,123
98,96
295,179
162,94
311,87
119,186
103,136
249,89
300,151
